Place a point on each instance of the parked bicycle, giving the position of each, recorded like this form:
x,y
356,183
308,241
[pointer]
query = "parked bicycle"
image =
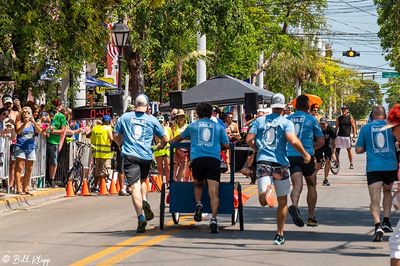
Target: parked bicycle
x,y
77,171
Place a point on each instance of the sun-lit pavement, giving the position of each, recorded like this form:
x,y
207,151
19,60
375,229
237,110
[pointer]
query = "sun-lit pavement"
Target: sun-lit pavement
x,y
101,230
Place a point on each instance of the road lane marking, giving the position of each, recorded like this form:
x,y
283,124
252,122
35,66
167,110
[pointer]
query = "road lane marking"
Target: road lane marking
x,y
108,251
149,243
118,246
105,252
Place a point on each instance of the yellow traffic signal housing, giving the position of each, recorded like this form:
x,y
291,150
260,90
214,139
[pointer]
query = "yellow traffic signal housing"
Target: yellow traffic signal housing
x,y
351,53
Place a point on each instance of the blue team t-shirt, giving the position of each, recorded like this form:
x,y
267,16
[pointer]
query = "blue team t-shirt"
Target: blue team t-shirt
x,y
379,145
137,130
206,138
270,138
306,128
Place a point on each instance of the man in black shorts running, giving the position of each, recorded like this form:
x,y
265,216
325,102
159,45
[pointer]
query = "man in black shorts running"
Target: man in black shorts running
x,y
307,129
379,144
207,138
325,152
134,131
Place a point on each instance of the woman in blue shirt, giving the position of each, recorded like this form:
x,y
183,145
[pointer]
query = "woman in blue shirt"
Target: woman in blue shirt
x,y
25,154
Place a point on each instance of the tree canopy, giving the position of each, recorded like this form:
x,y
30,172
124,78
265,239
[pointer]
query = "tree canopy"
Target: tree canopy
x,y
162,50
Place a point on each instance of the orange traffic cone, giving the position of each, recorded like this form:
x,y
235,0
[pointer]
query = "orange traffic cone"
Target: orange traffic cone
x,y
236,198
118,187
148,185
103,187
85,188
152,182
70,190
113,189
159,182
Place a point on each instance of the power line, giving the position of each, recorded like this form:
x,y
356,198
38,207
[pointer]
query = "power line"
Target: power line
x,y
350,5
346,24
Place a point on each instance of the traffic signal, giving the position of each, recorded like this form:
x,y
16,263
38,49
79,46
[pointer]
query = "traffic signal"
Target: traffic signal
x,y
351,53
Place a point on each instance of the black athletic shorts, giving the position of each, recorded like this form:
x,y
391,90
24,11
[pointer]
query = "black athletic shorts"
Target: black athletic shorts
x,y
387,177
323,152
135,169
297,165
206,168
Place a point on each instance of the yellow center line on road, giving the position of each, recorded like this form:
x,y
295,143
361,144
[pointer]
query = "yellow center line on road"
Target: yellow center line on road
x,y
118,246
132,251
154,240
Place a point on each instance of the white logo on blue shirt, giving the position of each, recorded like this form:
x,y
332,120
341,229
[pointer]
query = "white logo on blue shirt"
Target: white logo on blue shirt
x,y
380,141
206,134
139,129
298,124
269,134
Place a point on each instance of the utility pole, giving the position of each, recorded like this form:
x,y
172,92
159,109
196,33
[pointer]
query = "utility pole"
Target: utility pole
x,y
201,73
261,75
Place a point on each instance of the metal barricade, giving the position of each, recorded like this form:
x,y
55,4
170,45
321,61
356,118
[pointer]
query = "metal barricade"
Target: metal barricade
x,y
39,166
5,162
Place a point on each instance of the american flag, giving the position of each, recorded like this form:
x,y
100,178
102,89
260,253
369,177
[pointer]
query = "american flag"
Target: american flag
x,y
112,51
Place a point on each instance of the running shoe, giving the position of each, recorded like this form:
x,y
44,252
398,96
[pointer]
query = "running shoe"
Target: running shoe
x,y
141,228
214,226
326,183
123,193
312,222
147,211
198,213
279,240
270,196
295,213
378,235
387,227
351,166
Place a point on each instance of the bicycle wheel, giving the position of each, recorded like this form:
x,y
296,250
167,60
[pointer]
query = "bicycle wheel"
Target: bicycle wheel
x,y
335,165
75,176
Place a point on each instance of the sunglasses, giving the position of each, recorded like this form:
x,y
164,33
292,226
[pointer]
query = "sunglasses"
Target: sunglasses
x,y
4,114
230,117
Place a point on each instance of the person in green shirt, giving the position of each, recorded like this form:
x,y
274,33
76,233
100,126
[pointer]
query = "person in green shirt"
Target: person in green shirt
x,y
56,129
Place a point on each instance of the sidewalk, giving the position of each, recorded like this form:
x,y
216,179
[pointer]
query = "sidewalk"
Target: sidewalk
x,y
10,202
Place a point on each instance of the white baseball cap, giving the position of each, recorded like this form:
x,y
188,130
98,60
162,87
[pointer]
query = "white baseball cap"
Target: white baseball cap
x,y
278,101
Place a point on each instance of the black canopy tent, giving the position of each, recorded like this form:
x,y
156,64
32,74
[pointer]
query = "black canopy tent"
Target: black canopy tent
x,y
222,91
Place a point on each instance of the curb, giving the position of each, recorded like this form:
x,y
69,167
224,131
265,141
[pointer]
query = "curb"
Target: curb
x,y
10,203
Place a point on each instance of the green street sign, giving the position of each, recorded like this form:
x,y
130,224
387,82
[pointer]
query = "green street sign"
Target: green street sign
x,y
390,74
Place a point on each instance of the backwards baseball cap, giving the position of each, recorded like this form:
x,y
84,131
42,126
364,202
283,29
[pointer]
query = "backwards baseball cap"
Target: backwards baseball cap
x,y
7,98
106,118
344,107
323,120
393,119
278,101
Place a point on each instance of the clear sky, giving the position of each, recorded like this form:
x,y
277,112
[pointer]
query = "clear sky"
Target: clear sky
x,y
357,17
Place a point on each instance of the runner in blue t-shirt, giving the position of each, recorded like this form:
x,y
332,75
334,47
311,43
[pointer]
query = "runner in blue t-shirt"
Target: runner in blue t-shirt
x,y
381,168
207,138
307,130
268,137
134,131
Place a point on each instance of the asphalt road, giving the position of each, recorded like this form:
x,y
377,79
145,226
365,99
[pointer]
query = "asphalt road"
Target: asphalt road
x,y
101,231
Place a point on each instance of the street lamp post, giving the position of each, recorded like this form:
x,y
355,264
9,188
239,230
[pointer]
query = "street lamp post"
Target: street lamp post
x,y
120,33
